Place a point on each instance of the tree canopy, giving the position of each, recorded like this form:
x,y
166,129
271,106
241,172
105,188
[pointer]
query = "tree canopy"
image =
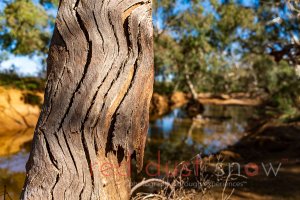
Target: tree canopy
x,y
26,26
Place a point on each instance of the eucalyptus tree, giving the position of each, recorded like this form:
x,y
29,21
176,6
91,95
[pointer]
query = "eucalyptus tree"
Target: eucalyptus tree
x,y
24,27
196,38
94,119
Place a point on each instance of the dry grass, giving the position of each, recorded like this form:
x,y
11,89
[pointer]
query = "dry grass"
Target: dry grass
x,y
203,175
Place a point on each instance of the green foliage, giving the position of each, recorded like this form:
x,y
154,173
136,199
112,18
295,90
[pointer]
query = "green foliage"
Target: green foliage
x,y
281,83
25,26
166,51
32,99
221,46
26,83
54,2
197,43
227,47
163,87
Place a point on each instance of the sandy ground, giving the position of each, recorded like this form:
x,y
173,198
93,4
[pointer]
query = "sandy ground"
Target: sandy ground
x,y
276,144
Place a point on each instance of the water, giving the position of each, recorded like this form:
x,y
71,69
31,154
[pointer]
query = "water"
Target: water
x,y
171,139
175,138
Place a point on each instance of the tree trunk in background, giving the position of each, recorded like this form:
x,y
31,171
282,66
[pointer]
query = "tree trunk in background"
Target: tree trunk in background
x,y
194,107
191,87
189,83
96,109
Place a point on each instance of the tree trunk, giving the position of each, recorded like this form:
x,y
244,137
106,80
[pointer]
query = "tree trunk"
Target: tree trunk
x,y
191,87
96,109
189,83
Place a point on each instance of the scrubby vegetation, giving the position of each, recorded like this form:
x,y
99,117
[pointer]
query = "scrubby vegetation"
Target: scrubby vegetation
x,y
12,79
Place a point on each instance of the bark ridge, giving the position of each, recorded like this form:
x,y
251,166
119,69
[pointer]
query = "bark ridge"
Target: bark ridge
x,y
96,109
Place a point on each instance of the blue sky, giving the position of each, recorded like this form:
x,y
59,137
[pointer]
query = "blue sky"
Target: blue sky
x,y
24,65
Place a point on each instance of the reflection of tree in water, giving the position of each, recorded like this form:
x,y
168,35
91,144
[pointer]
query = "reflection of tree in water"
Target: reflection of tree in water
x,y
5,194
13,182
179,138
172,147
13,141
15,146
189,138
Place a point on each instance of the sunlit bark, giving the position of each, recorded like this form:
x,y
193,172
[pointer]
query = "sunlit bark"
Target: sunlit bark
x,y
96,109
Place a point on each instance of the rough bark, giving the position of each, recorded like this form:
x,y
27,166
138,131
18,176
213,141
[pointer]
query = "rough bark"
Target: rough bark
x,y
96,107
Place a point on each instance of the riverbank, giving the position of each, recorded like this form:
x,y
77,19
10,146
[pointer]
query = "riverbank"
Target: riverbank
x,y
162,104
240,99
265,165
179,138
272,144
20,108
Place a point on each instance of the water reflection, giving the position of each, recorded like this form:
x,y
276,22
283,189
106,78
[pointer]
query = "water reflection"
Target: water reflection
x,y
15,163
12,173
12,142
174,136
179,138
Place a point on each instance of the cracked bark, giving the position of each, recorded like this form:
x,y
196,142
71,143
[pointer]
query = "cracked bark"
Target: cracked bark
x,y
95,114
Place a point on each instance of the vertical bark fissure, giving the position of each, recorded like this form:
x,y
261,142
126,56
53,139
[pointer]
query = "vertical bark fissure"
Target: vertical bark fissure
x,y
54,163
91,96
126,32
93,102
105,95
52,189
135,66
71,154
56,137
73,162
64,42
114,31
59,81
87,155
95,144
101,109
51,157
87,64
81,191
109,144
97,25
67,26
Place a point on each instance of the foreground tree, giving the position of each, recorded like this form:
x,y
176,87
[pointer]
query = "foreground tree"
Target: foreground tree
x,y
95,115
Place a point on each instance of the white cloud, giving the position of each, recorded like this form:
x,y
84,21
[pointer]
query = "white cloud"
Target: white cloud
x,y
24,65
